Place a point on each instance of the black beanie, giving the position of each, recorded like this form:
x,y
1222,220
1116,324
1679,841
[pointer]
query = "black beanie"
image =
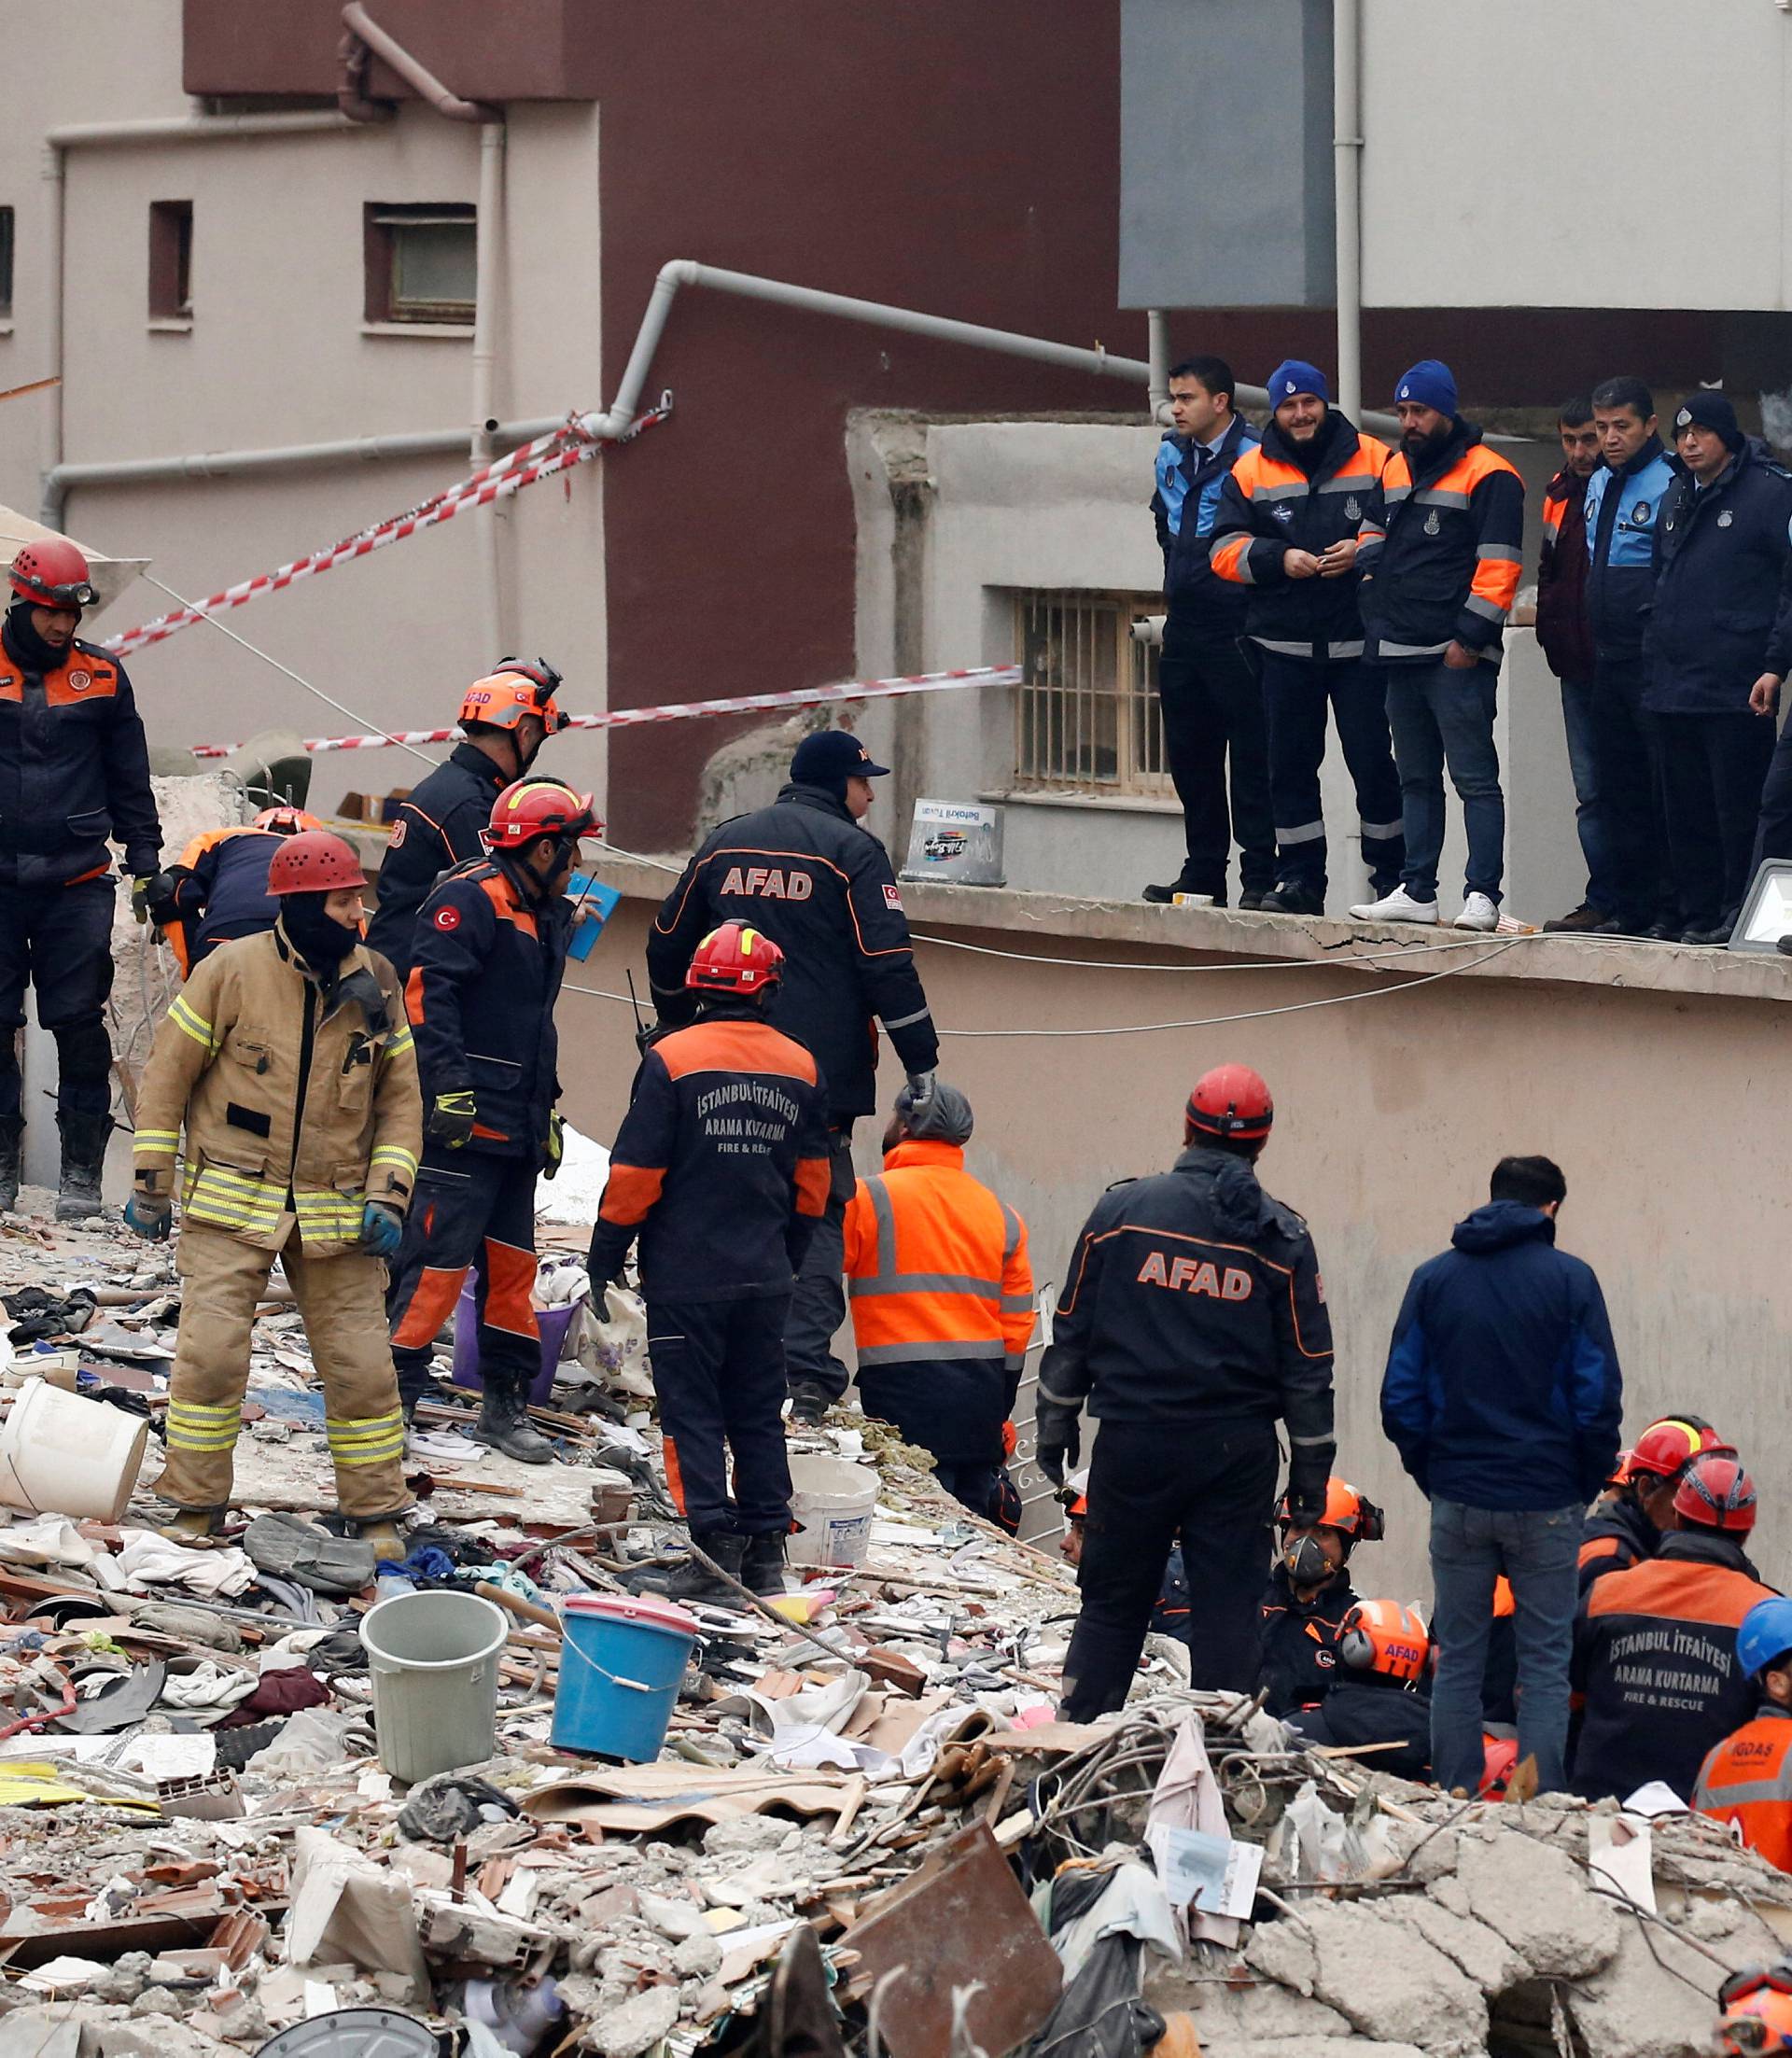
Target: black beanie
x,y
1710,411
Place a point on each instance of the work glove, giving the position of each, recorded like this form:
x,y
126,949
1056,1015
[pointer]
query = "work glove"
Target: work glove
x,y
920,1091
151,1215
1058,1440
1306,1503
382,1229
155,897
556,1148
451,1120
143,888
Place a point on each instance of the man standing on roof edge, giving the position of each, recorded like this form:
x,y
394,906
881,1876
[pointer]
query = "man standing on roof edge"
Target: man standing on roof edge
x,y
808,874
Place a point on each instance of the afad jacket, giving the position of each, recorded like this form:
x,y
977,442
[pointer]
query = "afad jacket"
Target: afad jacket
x,y
1280,496
485,974
942,1297
1184,506
437,827
299,1099
720,1166
1300,1661
1654,1663
74,770
1441,552
1613,1537
1622,509
221,891
1746,1782
804,873
1722,604
1195,1297
1564,633
1503,1388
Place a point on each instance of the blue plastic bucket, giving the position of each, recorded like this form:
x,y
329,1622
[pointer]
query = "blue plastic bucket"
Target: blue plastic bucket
x,y
620,1663
553,1323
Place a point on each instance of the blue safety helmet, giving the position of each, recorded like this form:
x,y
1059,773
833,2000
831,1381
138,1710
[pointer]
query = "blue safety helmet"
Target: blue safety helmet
x,y
1765,1635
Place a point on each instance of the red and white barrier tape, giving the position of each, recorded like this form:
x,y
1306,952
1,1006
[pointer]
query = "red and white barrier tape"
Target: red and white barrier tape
x,y
558,450
685,710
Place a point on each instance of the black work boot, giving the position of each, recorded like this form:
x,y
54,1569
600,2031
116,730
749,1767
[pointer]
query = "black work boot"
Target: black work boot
x,y
83,1162
12,1151
695,1581
809,1402
504,1424
763,1567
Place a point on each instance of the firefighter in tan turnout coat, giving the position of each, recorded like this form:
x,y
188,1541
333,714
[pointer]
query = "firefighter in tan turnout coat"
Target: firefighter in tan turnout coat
x,y
288,1060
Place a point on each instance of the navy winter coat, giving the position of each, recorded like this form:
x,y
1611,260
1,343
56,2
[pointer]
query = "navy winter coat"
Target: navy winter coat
x,y
1503,1388
1186,500
1622,509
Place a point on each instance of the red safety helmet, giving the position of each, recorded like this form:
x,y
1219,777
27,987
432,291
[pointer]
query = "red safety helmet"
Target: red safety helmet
x,y
1716,1493
1231,1100
1666,1448
1758,2010
1348,1512
1498,1761
517,687
315,862
286,821
539,807
1383,1636
53,573
734,958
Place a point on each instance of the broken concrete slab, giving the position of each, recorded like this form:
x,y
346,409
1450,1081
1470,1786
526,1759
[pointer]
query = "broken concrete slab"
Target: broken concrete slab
x,y
1389,1980
1540,1901
1481,1953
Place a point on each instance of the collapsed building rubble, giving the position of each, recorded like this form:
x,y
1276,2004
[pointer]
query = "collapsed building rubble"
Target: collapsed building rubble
x,y
202,1851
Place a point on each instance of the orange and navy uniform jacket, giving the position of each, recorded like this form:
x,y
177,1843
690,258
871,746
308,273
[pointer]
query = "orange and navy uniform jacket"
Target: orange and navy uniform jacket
x,y
1282,496
803,872
437,826
1299,1636
720,1165
1440,553
221,891
1195,1297
1613,1537
942,1296
1747,1780
1655,1659
480,995
74,769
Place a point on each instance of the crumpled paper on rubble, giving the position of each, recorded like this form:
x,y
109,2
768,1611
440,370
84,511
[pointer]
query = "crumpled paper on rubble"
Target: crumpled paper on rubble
x,y
345,1907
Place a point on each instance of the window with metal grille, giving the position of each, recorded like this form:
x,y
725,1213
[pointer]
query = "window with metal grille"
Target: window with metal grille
x,y
421,262
1086,715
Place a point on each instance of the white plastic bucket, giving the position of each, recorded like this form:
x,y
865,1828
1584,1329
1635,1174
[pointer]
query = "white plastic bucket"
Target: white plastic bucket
x,y
434,1661
63,1455
832,1500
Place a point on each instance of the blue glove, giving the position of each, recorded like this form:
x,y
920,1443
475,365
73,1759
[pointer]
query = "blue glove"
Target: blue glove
x,y
151,1215
382,1229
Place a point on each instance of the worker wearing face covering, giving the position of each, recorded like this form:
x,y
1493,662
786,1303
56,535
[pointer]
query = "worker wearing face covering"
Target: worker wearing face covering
x,y
1309,1594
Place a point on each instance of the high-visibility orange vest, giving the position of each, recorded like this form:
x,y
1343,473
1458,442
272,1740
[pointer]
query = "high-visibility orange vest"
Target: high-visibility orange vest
x,y
1747,1780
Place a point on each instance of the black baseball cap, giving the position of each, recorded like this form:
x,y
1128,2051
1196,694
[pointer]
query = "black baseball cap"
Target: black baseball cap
x,y
831,756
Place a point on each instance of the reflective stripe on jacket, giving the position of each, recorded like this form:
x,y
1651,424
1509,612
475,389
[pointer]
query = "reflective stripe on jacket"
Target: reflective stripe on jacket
x,y
1747,1780
295,1110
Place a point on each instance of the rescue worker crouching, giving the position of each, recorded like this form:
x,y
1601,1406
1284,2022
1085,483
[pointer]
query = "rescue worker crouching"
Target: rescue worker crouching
x,y
942,1296
1757,2004
287,1060
1310,1595
1746,1781
74,774
219,889
1192,1320
1630,1518
722,1167
504,719
489,953
1377,1696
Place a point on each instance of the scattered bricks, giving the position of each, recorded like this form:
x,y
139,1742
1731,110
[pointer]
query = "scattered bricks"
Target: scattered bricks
x,y
1540,1901
890,1668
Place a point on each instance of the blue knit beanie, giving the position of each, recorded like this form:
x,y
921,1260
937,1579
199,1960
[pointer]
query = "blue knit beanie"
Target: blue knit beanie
x,y
1294,375
1432,384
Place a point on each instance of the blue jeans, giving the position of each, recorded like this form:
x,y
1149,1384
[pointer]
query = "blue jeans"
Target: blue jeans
x,y
1538,1550
1590,813
1438,715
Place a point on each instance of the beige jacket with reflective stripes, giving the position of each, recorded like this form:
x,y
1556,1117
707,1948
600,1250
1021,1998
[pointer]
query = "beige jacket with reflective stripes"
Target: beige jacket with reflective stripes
x,y
226,1065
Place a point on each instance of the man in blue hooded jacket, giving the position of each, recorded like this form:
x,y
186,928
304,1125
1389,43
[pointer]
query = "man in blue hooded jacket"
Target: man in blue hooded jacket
x,y
1504,1396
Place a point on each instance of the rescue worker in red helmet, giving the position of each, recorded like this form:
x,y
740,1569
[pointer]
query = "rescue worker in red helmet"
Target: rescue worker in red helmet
x,y
1746,1781
1655,1647
1628,1520
1309,1594
504,719
489,954
720,1167
74,777
1378,1694
1757,2004
218,890
1192,1322
287,1060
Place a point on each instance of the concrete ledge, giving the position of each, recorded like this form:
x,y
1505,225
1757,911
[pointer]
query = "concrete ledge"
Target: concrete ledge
x,y
1002,919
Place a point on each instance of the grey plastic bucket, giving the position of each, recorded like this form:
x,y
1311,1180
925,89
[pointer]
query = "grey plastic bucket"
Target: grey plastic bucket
x,y
434,1661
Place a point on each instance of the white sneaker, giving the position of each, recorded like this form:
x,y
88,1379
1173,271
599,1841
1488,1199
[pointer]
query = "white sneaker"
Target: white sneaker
x,y
1397,906
1479,911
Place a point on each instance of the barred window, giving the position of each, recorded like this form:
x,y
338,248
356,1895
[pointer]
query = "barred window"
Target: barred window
x,y
1086,715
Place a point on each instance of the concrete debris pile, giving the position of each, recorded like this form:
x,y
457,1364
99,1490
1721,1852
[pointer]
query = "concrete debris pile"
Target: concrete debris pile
x,y
850,1819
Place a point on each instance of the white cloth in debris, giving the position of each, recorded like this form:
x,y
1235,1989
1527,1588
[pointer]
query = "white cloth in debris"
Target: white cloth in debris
x,y
45,1540
800,1730
149,1560
1187,1797
206,1686
1134,1904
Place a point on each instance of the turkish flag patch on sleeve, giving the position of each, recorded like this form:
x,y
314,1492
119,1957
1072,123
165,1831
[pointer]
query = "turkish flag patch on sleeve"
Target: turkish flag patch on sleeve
x,y
447,918
892,899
